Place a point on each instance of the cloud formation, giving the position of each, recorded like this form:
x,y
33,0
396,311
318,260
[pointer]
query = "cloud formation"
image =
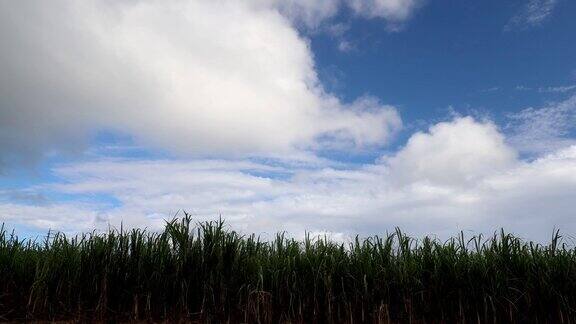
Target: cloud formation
x,y
312,14
394,11
532,14
452,153
437,183
309,14
231,88
559,89
544,129
217,78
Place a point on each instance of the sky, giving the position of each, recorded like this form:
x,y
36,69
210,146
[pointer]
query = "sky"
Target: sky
x,y
329,117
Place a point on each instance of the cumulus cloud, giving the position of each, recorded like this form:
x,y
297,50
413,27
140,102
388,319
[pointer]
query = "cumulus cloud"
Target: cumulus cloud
x,y
218,78
533,13
453,153
425,188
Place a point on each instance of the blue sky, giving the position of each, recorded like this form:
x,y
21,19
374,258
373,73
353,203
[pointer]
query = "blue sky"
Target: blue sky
x,y
330,116
457,54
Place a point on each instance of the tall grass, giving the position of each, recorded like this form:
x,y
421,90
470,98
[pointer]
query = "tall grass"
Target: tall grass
x,y
203,272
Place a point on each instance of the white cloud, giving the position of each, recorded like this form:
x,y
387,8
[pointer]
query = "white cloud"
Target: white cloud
x,y
228,78
394,11
533,13
69,218
545,129
460,175
453,153
305,12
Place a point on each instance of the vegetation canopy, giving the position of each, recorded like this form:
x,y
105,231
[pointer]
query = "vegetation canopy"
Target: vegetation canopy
x,y
207,273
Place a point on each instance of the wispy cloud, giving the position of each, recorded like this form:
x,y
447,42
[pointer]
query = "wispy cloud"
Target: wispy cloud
x,y
545,129
549,89
561,89
533,13
28,196
345,46
314,13
492,89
